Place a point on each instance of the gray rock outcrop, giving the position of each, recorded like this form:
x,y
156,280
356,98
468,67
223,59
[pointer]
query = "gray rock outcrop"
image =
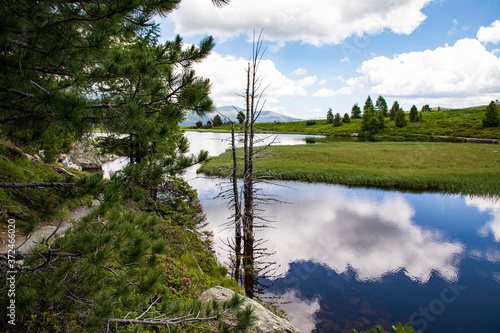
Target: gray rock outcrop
x,y
267,321
87,156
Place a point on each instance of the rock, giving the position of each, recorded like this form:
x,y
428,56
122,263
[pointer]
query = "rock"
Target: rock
x,y
266,320
476,140
87,156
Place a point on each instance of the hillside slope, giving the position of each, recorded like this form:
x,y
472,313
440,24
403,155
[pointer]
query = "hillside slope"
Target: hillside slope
x,y
441,125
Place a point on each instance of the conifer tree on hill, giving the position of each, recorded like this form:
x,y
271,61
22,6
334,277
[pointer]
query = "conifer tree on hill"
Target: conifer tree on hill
x,y
413,116
491,118
355,111
394,109
381,106
346,118
329,116
400,118
337,121
372,120
368,107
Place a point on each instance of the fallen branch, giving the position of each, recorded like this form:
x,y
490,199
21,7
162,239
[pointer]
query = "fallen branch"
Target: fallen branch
x,y
166,322
39,184
15,150
62,170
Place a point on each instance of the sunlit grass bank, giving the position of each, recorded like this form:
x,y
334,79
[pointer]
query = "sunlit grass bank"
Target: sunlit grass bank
x,y
445,167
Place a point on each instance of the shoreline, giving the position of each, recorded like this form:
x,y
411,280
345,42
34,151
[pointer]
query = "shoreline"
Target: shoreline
x,y
376,138
408,166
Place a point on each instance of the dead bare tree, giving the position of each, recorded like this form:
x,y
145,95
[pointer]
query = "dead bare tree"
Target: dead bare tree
x,y
249,256
255,255
237,210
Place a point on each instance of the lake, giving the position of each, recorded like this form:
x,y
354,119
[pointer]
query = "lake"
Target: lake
x,y
356,257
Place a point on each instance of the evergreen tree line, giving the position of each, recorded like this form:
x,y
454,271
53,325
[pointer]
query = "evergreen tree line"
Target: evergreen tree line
x,y
217,121
374,116
337,120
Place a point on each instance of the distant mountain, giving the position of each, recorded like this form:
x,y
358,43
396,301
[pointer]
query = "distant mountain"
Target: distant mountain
x,y
229,112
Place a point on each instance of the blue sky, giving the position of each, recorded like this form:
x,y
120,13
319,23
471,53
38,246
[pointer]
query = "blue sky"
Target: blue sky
x,y
324,54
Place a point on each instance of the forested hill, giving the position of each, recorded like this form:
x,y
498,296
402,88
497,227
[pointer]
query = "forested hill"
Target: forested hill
x,y
450,125
230,113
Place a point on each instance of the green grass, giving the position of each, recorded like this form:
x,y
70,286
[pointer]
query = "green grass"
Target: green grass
x,y
445,167
31,206
449,123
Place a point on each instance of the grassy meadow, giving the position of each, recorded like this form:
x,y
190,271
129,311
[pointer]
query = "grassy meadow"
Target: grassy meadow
x,y
449,123
445,167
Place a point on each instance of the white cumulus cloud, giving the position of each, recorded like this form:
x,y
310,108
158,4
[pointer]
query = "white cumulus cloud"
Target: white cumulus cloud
x,y
464,72
299,71
308,81
490,34
326,92
228,78
318,22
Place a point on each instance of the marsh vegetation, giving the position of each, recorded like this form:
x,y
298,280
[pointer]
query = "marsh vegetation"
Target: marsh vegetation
x,y
445,167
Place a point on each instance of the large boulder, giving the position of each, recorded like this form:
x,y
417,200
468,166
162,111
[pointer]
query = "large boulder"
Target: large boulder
x,y
87,156
267,321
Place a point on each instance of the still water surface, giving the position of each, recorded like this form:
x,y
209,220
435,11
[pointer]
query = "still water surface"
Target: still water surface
x,y
356,257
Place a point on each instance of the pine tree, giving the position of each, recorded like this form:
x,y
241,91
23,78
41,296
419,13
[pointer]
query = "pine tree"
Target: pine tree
x,y
371,124
346,118
337,121
368,107
491,118
394,109
109,72
426,108
355,112
381,106
400,118
217,121
329,116
240,117
381,120
413,116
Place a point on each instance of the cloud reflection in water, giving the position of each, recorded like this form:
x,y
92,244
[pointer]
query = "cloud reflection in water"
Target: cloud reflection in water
x,y
492,205
373,235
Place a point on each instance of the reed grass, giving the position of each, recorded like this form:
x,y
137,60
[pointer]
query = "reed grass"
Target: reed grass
x,y
444,167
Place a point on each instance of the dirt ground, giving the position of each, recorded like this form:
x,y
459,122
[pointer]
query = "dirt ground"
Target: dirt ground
x,y
42,231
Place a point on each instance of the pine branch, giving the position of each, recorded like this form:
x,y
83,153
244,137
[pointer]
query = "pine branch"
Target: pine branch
x,y
220,3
